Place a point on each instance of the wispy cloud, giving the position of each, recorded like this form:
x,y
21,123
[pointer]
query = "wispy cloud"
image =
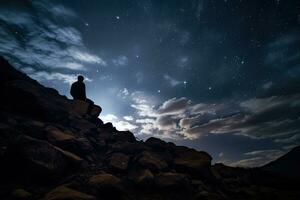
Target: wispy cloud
x,y
120,60
48,44
48,76
172,81
258,158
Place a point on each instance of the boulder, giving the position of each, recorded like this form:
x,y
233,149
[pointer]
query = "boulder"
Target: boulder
x,y
171,180
203,195
55,135
124,136
191,161
65,193
81,108
129,147
107,126
82,124
39,159
152,161
105,183
66,141
142,177
96,110
155,143
21,194
119,161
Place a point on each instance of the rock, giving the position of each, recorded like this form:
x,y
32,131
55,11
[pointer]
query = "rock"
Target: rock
x,y
152,161
171,180
84,144
35,101
55,135
124,136
39,159
128,147
95,112
65,193
155,143
105,183
191,161
36,123
21,194
81,108
204,195
107,126
142,177
119,161
67,141
82,124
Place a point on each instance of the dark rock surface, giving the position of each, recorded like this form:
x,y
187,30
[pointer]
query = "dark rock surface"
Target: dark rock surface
x,y
51,149
287,165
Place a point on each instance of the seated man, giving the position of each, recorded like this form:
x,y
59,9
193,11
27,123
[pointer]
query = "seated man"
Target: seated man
x,y
78,92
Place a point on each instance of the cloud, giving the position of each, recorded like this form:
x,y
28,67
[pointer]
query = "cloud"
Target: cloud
x,y
183,61
42,76
19,19
120,61
119,124
267,85
275,117
174,106
283,51
56,10
139,77
173,82
86,57
45,41
292,139
258,158
198,6
128,118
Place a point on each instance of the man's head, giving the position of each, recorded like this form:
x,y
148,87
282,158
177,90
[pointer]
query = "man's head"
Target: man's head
x,y
80,78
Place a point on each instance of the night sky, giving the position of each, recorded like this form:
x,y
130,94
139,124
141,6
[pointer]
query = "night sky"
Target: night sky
x,y
217,75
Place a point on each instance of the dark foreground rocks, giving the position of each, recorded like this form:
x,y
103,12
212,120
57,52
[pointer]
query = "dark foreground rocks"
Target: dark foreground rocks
x,y
52,149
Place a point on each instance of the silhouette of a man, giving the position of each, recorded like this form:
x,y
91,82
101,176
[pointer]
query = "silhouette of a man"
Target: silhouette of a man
x,y
78,89
78,92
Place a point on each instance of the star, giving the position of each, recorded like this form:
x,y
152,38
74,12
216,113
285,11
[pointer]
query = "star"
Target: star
x,y
209,88
158,91
86,24
117,17
185,83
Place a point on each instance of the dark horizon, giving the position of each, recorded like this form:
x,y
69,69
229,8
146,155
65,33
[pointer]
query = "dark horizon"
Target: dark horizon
x,y
218,76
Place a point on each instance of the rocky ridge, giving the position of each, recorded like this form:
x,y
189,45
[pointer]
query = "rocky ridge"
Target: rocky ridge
x,y
51,149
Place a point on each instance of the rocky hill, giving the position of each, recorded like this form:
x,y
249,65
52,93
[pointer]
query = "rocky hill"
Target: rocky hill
x,y
288,165
51,149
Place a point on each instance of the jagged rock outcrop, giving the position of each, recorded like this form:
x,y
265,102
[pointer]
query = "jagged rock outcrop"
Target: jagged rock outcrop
x,y
51,148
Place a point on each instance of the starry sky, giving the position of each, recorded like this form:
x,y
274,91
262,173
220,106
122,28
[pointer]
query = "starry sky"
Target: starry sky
x,y
217,75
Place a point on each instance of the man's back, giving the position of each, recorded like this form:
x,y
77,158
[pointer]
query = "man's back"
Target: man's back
x,y
78,91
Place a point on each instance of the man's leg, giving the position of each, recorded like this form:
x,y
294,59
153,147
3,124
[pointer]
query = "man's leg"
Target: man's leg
x,y
91,104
